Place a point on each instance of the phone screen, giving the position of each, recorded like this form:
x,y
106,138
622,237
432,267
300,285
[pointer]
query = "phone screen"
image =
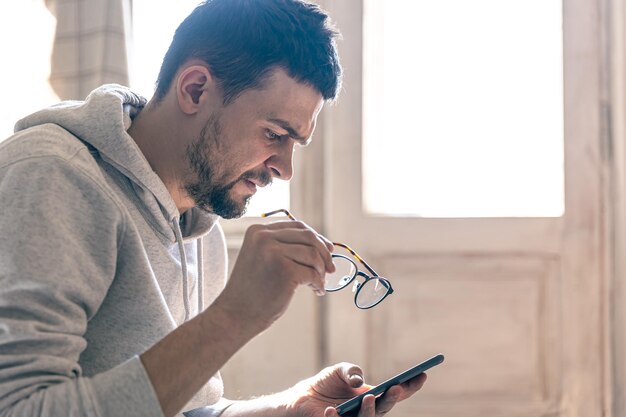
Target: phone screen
x,y
352,406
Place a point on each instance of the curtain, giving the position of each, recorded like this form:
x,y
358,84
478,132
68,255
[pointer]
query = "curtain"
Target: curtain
x,y
90,46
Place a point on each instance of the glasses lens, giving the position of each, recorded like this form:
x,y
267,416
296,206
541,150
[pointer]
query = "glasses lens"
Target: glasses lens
x,y
345,270
371,292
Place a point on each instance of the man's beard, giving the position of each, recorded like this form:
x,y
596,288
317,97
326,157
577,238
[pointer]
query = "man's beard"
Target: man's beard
x,y
206,191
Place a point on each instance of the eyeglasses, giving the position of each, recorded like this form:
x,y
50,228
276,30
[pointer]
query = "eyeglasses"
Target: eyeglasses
x,y
368,293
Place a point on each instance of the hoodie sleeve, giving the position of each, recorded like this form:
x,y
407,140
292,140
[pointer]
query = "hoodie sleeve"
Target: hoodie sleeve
x,y
60,236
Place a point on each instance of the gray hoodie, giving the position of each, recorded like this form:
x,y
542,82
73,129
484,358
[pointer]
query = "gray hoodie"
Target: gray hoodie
x,y
96,265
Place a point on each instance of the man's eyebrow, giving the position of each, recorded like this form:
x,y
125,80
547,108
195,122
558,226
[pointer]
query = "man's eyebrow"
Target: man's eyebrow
x,y
291,131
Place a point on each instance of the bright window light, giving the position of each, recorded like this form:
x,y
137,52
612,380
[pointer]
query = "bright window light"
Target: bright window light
x,y
26,36
463,108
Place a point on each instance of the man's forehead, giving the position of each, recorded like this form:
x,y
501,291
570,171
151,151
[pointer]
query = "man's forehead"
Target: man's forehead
x,y
285,102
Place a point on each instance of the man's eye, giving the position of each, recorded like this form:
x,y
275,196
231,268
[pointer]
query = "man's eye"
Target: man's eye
x,y
272,135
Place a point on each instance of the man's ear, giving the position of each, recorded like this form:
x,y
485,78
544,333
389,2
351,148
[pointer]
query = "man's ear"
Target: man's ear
x,y
194,85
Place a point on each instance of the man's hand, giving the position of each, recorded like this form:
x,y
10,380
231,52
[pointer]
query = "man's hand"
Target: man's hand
x,y
274,260
334,385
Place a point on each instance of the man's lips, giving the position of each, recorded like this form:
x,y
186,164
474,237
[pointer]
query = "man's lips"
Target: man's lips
x,y
251,185
258,182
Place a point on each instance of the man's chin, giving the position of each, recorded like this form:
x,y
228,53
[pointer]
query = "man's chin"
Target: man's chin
x,y
229,209
227,202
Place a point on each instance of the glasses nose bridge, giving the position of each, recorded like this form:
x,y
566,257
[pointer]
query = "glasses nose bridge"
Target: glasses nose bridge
x,y
362,274
357,283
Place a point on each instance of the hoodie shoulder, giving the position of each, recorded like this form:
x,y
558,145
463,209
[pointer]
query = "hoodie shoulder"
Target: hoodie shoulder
x,y
50,152
50,144
47,140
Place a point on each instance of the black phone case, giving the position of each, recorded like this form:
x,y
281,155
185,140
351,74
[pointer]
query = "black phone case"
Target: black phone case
x,y
351,407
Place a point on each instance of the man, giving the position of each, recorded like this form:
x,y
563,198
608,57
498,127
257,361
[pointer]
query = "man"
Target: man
x,y
111,247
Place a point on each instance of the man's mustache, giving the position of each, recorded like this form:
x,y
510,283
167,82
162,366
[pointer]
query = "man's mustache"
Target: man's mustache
x,y
263,177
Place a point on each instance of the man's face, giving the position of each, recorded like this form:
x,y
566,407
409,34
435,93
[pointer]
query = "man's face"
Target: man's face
x,y
247,143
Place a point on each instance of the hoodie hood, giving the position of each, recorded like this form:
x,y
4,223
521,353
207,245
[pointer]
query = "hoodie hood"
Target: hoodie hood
x,y
102,121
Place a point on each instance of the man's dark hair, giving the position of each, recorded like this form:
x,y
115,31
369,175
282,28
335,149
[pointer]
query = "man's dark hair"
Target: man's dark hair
x,y
243,40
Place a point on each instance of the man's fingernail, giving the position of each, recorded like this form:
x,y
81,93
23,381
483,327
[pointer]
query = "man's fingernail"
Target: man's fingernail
x,y
355,378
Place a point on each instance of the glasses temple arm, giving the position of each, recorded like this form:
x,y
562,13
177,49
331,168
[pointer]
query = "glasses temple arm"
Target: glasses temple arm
x,y
285,212
356,255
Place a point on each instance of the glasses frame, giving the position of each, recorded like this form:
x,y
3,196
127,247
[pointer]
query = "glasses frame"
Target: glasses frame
x,y
360,285
374,274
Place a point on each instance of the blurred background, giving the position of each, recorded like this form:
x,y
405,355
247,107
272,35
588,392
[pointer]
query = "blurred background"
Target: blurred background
x,y
475,158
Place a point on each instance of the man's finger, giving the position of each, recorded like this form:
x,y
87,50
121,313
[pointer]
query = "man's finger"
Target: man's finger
x,y
368,406
352,374
326,241
303,237
313,272
330,412
285,224
385,403
413,385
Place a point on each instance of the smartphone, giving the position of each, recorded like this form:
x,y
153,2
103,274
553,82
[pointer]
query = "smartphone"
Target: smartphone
x,y
351,407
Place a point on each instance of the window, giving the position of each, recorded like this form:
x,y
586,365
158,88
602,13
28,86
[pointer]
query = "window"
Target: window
x,y
27,32
153,23
463,108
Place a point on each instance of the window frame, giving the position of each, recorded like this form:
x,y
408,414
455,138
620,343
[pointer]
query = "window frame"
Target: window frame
x,y
379,234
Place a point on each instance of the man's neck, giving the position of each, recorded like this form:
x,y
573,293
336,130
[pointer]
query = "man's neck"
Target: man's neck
x,y
163,145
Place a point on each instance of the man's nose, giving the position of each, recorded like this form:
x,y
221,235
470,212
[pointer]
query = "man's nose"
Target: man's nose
x,y
281,163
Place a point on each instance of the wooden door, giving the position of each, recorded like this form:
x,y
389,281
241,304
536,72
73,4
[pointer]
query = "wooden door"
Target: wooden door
x,y
517,305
